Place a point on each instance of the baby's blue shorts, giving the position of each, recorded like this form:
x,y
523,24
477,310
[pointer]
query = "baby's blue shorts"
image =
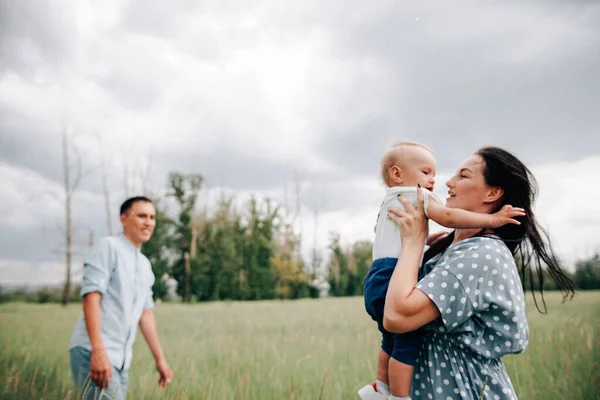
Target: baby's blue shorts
x,y
403,347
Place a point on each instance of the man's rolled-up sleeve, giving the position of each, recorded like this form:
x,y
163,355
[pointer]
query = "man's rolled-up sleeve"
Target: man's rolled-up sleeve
x,y
149,305
96,268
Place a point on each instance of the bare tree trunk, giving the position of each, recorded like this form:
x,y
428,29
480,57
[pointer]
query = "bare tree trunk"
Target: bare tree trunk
x,y
193,244
188,257
316,259
105,189
67,289
144,179
126,178
298,213
186,287
71,183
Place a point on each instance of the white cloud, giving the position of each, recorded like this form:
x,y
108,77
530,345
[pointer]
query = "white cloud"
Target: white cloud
x,y
569,205
260,91
16,94
33,273
27,198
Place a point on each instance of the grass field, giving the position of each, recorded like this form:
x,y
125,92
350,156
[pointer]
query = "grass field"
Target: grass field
x,y
283,350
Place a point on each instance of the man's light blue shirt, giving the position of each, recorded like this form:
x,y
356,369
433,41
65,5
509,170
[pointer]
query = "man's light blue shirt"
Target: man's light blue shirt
x,y
123,275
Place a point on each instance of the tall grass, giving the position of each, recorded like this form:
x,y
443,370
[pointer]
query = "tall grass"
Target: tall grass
x,y
307,349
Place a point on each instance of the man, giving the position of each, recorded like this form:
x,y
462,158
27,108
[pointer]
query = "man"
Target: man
x,y
117,296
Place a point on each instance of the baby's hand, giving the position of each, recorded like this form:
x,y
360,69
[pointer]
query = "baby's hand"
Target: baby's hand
x,y
506,216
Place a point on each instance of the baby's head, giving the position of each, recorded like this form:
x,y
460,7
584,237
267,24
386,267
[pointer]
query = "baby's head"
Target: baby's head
x,y
409,164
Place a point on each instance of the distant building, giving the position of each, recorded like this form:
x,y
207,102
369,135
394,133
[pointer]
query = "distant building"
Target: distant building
x,y
171,288
323,286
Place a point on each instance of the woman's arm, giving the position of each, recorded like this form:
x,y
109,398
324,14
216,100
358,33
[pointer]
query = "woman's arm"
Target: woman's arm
x,y
406,308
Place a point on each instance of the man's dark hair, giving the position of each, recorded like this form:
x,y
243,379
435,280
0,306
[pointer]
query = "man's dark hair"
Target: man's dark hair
x,y
127,204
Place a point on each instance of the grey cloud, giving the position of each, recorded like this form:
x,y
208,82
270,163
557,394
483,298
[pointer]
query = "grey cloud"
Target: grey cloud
x,y
459,94
45,241
35,34
193,28
21,243
132,93
15,273
457,78
156,18
227,166
28,144
38,148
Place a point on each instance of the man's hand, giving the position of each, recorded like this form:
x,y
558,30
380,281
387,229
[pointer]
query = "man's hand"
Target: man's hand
x,y
100,368
506,216
166,375
148,328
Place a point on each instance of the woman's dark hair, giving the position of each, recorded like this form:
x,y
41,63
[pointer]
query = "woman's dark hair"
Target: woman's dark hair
x,y
528,242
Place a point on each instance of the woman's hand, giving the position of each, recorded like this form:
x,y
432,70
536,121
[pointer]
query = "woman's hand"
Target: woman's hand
x,y
407,308
412,222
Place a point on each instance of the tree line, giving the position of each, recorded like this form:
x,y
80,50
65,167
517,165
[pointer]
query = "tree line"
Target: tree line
x,y
226,254
250,253
345,273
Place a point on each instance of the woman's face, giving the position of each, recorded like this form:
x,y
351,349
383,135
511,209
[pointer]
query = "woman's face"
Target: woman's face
x,y
467,188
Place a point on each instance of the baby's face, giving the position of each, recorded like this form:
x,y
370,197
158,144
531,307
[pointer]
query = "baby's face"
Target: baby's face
x,y
419,168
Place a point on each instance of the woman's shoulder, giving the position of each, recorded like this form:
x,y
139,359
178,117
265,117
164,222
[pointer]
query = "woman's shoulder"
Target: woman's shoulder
x,y
476,247
481,243
482,247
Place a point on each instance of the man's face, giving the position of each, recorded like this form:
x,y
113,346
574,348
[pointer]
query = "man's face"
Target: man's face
x,y
139,222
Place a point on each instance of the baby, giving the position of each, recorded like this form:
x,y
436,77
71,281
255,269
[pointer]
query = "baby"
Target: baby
x,y
404,166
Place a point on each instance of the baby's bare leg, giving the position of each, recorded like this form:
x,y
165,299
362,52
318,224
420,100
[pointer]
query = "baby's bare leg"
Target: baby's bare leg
x,y
400,377
382,367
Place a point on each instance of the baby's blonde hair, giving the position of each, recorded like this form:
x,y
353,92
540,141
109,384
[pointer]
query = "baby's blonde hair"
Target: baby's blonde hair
x,y
393,157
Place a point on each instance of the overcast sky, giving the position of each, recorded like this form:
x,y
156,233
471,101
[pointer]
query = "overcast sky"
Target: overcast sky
x,y
264,96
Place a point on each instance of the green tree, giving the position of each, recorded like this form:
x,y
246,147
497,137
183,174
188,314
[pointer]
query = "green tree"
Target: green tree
x,y
159,250
337,267
217,268
184,189
259,248
291,280
348,267
587,273
362,255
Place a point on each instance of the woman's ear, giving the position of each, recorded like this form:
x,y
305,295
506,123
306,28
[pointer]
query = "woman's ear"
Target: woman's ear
x,y
494,194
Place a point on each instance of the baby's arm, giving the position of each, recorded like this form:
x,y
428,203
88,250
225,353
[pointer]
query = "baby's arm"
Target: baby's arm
x,y
463,219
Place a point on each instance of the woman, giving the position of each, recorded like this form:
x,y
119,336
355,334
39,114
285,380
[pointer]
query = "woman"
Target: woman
x,y
471,298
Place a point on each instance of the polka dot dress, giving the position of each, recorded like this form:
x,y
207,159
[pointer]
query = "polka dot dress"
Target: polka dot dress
x,y
476,287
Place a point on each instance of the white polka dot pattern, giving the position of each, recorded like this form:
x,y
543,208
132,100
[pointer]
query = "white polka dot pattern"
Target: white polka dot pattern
x,y
476,287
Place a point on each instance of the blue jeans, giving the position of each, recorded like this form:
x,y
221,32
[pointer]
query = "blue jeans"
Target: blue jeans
x,y
86,388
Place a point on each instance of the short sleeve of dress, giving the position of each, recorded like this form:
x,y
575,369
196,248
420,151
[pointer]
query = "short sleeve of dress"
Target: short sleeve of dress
x,y
446,290
477,278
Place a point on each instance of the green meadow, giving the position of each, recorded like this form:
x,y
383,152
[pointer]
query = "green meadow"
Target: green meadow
x,y
304,349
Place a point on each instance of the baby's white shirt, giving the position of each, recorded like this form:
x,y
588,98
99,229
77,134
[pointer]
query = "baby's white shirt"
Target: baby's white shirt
x,y
387,233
